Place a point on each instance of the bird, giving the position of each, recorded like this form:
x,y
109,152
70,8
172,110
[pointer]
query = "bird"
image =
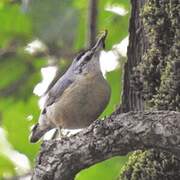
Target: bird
x,y
78,97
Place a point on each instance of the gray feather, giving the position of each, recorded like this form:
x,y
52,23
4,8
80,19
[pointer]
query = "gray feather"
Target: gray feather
x,y
57,90
63,83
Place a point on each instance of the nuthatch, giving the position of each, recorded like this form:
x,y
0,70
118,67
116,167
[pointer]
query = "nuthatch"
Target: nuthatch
x,y
78,97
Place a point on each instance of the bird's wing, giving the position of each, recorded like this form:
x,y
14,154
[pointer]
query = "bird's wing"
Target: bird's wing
x,y
57,90
54,81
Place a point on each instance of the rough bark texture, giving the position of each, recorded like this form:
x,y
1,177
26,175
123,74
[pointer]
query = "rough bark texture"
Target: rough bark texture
x,y
131,99
152,76
117,135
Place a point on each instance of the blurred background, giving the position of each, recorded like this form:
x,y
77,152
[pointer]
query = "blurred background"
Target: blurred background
x,y
38,41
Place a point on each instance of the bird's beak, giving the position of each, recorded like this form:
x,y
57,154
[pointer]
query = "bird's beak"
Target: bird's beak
x,y
100,43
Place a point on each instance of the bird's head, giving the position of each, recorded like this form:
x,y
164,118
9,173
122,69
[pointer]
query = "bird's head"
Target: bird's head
x,y
88,61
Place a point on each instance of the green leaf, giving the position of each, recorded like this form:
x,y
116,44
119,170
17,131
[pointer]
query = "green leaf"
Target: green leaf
x,y
116,25
54,22
14,23
18,127
114,79
15,67
6,166
107,170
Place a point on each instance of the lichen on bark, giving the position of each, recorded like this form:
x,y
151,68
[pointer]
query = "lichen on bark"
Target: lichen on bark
x,y
155,165
157,78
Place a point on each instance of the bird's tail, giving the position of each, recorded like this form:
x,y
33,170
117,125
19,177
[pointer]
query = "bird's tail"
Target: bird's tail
x,y
38,131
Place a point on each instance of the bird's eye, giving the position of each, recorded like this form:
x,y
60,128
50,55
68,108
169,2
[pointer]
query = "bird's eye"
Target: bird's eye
x,y
80,55
44,111
87,58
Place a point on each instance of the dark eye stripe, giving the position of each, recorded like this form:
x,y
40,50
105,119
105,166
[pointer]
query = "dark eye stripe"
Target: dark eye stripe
x,y
80,55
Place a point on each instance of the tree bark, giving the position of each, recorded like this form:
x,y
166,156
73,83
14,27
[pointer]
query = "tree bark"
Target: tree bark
x,y
131,99
117,135
152,78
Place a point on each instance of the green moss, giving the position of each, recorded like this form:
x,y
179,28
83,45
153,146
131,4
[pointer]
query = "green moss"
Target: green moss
x,y
150,165
155,76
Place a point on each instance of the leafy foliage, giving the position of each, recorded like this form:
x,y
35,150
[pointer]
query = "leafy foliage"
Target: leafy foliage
x,y
107,170
6,166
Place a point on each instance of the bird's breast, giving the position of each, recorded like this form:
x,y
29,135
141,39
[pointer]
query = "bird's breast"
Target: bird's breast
x,y
81,103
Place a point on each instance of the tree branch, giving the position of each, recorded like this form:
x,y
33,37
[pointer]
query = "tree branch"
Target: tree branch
x,y
118,134
92,26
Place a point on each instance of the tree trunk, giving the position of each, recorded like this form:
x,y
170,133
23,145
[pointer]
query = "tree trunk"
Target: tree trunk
x,y
131,99
152,78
